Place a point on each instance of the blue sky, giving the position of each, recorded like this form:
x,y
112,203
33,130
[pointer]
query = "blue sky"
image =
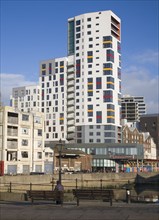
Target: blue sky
x,y
32,31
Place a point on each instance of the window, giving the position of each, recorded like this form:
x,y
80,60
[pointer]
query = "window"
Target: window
x,y
78,29
43,66
24,142
90,110
119,47
39,155
88,32
90,45
90,39
89,26
108,96
107,42
61,79
88,19
25,117
107,69
37,119
98,83
119,73
110,82
39,144
78,35
78,22
78,68
25,131
110,55
98,117
39,132
24,154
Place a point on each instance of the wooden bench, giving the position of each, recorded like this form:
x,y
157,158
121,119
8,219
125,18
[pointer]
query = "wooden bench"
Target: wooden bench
x,y
45,195
93,194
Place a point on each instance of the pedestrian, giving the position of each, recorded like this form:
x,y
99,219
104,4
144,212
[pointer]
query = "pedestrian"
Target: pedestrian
x,y
59,190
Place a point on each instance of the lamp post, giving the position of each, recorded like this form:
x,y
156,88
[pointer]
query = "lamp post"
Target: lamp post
x,y
60,149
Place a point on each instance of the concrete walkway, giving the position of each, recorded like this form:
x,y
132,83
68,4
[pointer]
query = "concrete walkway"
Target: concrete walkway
x,y
86,211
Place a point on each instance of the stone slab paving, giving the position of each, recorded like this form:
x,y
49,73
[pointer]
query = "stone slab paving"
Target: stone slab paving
x,y
86,211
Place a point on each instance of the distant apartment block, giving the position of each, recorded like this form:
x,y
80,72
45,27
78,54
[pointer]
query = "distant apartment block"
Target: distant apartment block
x,y
26,98
21,141
132,107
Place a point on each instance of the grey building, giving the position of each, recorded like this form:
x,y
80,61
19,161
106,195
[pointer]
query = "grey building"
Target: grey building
x,y
132,107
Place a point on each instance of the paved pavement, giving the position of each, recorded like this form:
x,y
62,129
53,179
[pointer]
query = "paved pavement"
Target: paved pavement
x,y
93,210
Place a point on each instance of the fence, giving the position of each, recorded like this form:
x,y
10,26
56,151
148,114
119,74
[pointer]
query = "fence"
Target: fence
x,y
68,185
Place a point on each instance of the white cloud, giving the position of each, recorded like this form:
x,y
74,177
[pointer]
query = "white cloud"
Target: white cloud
x,y
137,81
147,57
9,81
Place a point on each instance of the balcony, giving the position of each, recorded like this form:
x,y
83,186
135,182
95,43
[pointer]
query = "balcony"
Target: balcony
x,y
70,110
70,83
70,103
12,131
70,122
70,116
70,96
12,144
71,64
70,90
70,70
71,129
12,118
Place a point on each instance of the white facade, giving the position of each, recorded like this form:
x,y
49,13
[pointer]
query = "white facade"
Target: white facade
x,y
53,83
150,151
22,141
26,98
94,44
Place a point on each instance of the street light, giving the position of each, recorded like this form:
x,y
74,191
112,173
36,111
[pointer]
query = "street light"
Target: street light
x,y
60,149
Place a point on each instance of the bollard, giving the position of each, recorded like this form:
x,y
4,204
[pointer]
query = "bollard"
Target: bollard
x,y
30,186
10,187
101,185
128,196
76,183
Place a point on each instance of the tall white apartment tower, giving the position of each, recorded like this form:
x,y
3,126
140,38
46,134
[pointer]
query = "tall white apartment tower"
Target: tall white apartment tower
x,y
94,56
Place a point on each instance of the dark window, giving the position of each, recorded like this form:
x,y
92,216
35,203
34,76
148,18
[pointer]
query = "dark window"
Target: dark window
x,y
110,55
98,117
78,36
78,29
78,22
98,83
108,96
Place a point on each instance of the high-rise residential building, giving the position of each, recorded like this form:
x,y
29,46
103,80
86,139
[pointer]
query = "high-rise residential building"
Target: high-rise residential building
x,y
94,46
26,98
53,83
81,93
132,107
